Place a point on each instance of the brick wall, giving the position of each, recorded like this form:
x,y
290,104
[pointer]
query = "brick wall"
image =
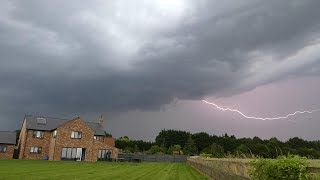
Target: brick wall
x,y
107,144
36,142
22,139
52,147
110,141
64,139
9,152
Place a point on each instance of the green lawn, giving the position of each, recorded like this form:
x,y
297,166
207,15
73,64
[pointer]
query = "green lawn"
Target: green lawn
x,y
23,169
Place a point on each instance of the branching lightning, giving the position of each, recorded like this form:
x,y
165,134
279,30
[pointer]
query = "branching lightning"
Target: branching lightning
x,y
260,118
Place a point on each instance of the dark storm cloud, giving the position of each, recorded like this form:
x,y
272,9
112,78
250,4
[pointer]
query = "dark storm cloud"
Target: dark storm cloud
x,y
116,56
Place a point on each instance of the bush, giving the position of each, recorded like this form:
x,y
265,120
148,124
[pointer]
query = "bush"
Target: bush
x,y
215,149
291,167
155,150
205,155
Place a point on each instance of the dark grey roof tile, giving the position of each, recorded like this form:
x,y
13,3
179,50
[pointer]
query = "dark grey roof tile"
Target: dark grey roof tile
x,y
97,127
8,137
49,124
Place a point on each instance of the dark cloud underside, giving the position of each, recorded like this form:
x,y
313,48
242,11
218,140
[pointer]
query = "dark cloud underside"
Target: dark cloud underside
x,y
105,56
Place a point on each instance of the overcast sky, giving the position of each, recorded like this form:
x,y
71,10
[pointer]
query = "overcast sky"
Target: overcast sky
x,y
146,65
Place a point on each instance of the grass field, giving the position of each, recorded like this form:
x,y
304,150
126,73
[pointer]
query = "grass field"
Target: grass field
x,y
23,169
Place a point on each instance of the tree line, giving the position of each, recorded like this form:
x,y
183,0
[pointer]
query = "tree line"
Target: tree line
x,y
183,142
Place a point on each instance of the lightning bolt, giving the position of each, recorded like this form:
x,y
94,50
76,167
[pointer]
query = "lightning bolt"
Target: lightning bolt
x,y
260,118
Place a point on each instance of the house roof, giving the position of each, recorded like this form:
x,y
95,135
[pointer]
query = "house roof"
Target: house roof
x,y
49,124
8,137
97,128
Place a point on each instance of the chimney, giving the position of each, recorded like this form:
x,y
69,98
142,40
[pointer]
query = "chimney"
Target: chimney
x,y
101,120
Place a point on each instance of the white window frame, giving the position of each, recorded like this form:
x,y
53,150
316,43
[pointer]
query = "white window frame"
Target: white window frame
x,y
105,155
54,134
36,150
76,135
71,153
38,134
98,138
3,148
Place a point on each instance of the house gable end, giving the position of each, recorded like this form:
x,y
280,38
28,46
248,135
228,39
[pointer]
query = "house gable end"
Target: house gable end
x,y
71,121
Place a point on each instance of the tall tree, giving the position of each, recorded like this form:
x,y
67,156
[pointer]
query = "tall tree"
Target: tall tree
x,y
202,140
171,137
190,147
215,150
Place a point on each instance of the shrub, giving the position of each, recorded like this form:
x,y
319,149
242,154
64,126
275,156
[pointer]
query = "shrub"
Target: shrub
x,y
215,149
291,167
155,150
205,155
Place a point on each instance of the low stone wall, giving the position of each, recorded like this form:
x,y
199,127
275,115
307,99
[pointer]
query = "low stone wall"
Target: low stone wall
x,y
220,168
314,167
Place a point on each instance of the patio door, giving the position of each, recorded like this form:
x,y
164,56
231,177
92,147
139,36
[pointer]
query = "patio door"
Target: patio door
x,y
81,154
105,155
83,157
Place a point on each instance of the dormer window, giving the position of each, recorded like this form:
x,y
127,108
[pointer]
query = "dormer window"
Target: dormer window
x,y
38,134
41,121
76,135
98,138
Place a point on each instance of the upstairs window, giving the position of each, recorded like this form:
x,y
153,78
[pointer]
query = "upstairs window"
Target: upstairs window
x,y
38,134
98,138
54,134
35,150
3,148
76,135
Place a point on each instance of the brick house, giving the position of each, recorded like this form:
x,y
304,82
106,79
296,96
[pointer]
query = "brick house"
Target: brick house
x,y
7,144
63,139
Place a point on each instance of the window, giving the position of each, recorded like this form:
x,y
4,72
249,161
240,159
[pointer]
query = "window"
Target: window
x,y
3,148
104,155
76,135
54,134
38,134
69,153
41,121
35,150
72,154
64,152
98,138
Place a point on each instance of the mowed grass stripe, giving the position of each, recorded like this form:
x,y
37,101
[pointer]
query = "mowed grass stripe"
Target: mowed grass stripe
x,y
126,171
151,174
193,173
23,169
148,168
131,170
161,173
102,170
